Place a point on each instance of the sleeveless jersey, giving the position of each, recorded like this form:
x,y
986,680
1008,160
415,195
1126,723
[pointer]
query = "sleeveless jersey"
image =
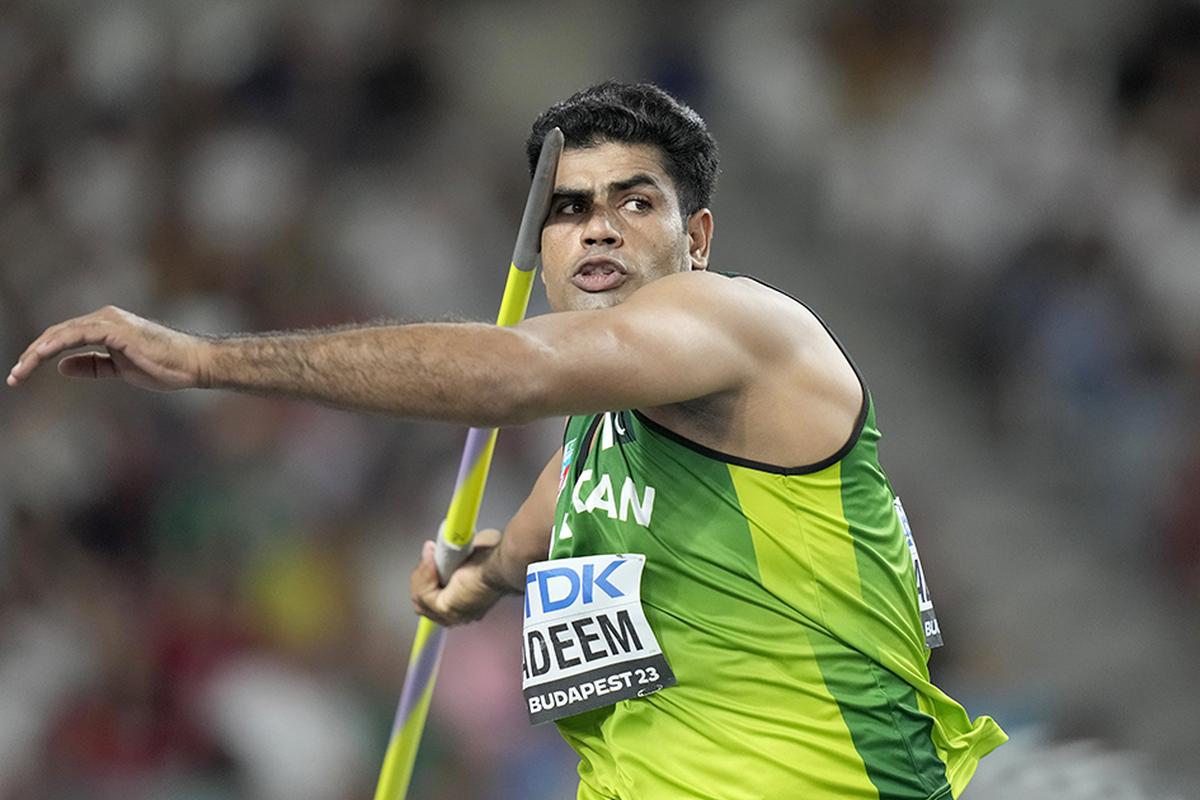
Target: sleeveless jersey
x,y
785,601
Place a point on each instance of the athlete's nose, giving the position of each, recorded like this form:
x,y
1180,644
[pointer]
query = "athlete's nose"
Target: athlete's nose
x,y
600,230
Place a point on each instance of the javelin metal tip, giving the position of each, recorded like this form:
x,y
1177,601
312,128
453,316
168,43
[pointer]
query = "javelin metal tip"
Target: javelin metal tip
x,y
537,206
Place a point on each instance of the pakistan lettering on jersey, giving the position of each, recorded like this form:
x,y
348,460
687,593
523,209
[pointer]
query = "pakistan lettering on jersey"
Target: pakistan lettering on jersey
x,y
785,601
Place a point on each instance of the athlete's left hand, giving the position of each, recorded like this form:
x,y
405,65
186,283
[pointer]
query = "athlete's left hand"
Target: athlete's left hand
x,y
140,352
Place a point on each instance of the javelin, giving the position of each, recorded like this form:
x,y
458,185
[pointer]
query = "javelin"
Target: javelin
x,y
456,534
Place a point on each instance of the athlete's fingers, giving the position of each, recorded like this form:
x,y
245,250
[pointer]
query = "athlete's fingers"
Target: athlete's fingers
x,y
425,588
488,537
88,365
47,337
81,334
29,359
78,332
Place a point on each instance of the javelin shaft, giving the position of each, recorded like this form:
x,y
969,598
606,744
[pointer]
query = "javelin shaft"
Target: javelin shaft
x,y
454,538
458,530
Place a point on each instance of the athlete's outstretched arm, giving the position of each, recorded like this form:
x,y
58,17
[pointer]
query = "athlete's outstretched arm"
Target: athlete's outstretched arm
x,y
678,338
497,566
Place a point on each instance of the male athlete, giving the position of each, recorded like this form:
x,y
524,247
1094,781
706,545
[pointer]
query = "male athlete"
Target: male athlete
x,y
722,595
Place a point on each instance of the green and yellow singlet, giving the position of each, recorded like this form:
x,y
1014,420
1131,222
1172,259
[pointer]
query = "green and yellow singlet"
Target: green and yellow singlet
x,y
785,602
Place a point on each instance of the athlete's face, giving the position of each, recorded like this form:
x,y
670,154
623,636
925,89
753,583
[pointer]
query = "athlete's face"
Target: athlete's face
x,y
614,226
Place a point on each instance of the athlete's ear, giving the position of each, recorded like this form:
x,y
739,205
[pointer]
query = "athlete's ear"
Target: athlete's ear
x,y
700,233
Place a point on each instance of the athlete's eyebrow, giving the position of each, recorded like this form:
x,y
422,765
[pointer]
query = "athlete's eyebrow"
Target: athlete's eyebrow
x,y
640,179
586,195
576,195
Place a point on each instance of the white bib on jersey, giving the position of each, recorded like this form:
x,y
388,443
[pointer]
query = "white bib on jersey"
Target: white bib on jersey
x,y
586,641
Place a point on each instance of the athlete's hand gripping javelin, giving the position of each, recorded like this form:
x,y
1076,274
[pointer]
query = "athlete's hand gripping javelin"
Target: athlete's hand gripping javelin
x,y
468,593
497,564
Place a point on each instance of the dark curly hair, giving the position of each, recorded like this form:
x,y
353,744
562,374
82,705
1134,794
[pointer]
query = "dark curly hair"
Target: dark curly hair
x,y
638,113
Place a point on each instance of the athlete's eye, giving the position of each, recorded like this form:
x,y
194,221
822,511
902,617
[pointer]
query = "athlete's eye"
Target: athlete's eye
x,y
637,204
571,207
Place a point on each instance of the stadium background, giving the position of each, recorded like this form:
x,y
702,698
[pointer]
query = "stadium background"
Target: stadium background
x,y
995,204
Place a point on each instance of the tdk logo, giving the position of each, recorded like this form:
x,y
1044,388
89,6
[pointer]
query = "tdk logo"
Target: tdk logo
x,y
557,588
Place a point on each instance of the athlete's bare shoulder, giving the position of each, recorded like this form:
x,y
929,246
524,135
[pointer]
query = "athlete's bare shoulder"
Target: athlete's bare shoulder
x,y
804,400
773,324
769,323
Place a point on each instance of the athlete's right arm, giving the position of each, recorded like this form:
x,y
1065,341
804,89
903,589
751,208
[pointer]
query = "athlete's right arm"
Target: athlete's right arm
x,y
497,565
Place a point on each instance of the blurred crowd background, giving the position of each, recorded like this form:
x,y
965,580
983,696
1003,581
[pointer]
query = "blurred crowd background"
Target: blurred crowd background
x,y
995,204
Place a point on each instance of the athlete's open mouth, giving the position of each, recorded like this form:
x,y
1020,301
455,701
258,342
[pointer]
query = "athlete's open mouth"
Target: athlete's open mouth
x,y
599,274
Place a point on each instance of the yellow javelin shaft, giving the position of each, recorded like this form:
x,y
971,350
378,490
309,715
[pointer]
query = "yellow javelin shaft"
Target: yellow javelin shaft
x,y
454,539
459,528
